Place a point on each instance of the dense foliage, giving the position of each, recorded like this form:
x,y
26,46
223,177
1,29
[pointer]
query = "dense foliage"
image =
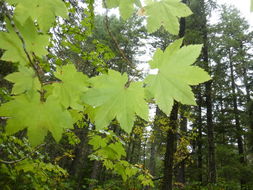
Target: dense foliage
x,y
77,108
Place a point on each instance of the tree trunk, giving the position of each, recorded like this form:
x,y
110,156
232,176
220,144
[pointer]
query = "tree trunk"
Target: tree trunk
x,y
239,130
199,139
209,108
180,170
95,171
81,157
168,162
153,148
170,146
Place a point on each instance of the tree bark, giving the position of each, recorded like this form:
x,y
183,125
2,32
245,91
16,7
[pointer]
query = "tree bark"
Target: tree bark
x,y
180,169
170,146
209,102
168,162
199,139
95,171
239,130
153,148
81,156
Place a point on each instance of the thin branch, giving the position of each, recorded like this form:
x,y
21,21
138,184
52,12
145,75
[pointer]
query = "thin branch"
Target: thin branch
x,y
188,155
34,65
107,25
51,82
9,16
21,159
183,160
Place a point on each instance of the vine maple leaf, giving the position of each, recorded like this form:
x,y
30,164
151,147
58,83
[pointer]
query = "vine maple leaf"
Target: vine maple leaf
x,y
34,42
24,81
44,11
111,98
165,13
126,7
73,85
38,117
175,74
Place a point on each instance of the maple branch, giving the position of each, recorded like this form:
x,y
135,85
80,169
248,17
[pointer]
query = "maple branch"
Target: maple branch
x,y
34,65
123,55
21,159
51,82
9,16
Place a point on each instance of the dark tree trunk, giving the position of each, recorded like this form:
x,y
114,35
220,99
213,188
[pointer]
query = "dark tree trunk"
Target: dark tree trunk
x,y
180,169
153,148
199,139
168,162
170,146
95,172
152,160
210,135
81,156
246,84
209,102
130,148
239,130
144,152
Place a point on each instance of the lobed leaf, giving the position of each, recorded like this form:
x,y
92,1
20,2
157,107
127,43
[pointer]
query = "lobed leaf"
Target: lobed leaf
x,y
73,84
126,7
175,75
44,11
39,118
165,13
34,42
24,81
112,99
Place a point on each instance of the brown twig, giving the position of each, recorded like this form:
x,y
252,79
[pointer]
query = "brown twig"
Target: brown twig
x,y
107,25
34,65
21,159
51,82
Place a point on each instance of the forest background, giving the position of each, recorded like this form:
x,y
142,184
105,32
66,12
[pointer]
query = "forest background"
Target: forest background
x,y
75,102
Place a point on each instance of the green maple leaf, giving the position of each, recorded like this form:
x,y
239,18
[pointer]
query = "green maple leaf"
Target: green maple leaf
x,y
24,81
34,42
98,142
111,98
175,75
165,13
13,46
126,7
37,117
118,148
73,85
44,11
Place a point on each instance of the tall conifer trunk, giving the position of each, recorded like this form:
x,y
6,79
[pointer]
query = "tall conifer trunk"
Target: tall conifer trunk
x,y
153,148
180,169
237,119
199,139
170,149
209,102
171,138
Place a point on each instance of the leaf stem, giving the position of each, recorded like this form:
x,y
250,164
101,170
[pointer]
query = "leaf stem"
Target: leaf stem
x,y
39,72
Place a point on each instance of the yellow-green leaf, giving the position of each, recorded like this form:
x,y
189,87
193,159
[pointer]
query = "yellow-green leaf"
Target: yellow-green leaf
x,y
165,13
39,118
112,99
24,81
175,75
